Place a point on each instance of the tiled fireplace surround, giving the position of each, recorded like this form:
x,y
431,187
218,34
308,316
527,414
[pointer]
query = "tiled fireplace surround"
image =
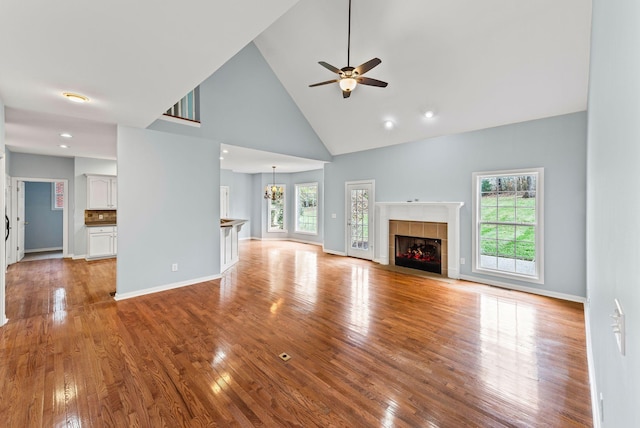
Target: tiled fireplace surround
x,y
419,229
422,219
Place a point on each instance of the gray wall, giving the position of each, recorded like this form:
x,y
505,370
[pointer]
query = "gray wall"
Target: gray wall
x,y
168,209
240,198
50,167
613,210
84,166
440,169
44,227
244,104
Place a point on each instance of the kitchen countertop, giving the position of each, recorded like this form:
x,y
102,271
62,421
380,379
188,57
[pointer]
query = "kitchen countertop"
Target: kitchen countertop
x,y
100,224
228,222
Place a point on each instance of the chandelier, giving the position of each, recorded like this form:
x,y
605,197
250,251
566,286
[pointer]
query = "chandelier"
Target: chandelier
x,y
274,192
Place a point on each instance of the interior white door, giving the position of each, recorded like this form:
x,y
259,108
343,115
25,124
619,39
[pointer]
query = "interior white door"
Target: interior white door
x,y
20,220
360,204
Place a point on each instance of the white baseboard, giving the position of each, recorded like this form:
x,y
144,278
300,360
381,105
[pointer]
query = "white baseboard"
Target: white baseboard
x,y
595,401
304,242
335,253
78,257
151,290
41,250
554,294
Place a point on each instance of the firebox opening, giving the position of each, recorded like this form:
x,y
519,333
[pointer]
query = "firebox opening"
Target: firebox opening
x,y
419,253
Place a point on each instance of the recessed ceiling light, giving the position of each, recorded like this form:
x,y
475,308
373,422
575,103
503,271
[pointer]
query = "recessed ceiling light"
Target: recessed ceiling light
x,y
429,114
388,124
63,146
76,98
66,135
221,158
225,151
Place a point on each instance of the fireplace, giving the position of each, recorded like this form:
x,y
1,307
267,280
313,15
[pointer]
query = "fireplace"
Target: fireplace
x,y
440,220
419,253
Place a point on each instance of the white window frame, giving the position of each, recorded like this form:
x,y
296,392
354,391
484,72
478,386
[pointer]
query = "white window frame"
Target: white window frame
x,y
54,196
284,212
477,177
297,207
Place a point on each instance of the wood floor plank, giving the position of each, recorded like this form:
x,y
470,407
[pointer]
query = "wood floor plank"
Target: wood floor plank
x,y
370,347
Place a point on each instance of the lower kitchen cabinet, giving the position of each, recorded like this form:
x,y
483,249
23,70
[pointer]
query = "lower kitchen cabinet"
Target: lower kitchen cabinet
x,y
102,242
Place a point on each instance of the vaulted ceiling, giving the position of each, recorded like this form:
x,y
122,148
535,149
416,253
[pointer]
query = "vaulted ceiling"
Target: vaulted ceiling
x,y
476,64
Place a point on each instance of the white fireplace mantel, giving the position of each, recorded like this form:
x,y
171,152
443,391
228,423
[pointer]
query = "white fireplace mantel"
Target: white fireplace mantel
x,y
438,212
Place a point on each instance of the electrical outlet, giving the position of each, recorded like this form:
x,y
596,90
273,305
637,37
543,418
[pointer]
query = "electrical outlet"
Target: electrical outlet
x,y
174,267
333,215
462,261
100,217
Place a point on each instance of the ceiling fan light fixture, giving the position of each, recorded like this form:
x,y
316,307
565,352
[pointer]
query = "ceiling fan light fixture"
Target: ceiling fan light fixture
x,y
348,84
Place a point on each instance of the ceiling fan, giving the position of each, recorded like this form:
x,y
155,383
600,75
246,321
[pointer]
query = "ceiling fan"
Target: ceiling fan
x,y
351,76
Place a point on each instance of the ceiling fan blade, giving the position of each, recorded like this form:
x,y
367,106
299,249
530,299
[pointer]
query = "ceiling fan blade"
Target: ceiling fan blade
x,y
371,82
346,94
361,69
330,67
324,83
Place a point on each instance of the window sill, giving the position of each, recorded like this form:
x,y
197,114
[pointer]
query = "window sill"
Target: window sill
x,y
306,233
503,274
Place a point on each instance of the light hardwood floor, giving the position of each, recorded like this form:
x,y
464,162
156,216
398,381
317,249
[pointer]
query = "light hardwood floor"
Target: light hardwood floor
x,y
369,348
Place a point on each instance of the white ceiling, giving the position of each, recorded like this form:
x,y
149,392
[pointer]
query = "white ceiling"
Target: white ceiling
x,y
250,161
477,64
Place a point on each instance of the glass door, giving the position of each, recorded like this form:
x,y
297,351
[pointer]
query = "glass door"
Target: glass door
x,y
360,204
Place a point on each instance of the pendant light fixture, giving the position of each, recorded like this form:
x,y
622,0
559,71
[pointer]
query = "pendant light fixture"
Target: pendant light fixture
x,y
274,192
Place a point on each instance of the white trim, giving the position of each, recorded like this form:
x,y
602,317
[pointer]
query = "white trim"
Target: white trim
x,y
304,242
65,212
595,401
295,207
40,250
547,293
159,288
78,256
335,253
372,218
539,225
180,121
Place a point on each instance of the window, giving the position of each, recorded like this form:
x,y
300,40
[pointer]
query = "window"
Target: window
x,y
508,224
57,195
276,213
307,208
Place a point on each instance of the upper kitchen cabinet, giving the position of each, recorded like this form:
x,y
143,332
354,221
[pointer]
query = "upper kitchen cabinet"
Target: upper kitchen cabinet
x,y
102,192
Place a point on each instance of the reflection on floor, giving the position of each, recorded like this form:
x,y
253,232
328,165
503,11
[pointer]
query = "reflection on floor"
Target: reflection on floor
x,y
28,257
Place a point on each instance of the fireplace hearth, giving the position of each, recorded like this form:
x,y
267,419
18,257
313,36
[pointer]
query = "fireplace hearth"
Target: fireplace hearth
x,y
419,253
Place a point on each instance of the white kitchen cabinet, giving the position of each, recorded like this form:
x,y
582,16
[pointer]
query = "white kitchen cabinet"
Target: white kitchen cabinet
x,y
102,192
102,242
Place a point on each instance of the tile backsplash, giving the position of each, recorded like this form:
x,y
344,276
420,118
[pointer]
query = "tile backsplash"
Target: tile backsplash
x,y
100,217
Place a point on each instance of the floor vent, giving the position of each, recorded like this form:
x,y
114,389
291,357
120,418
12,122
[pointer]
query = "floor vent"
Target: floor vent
x,y
284,356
